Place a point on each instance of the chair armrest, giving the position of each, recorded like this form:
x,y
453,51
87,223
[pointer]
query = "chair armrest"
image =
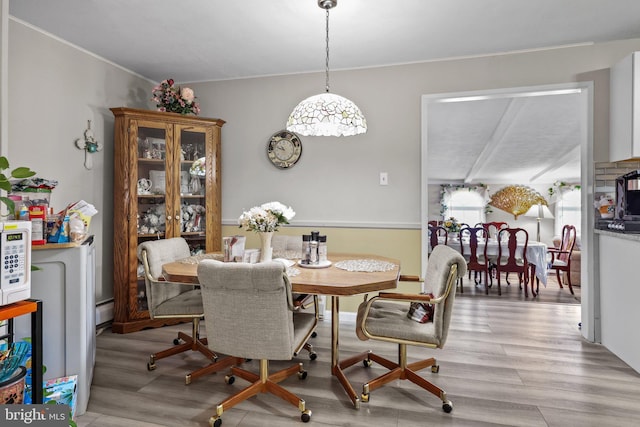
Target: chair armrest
x,y
407,278
409,297
555,252
404,297
304,300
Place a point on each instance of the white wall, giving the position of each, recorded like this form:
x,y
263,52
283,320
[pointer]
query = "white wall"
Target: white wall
x,y
336,180
53,90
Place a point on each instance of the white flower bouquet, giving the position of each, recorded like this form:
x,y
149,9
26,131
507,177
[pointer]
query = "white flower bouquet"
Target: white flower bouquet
x,y
266,217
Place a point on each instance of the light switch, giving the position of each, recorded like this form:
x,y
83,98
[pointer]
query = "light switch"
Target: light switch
x,y
384,178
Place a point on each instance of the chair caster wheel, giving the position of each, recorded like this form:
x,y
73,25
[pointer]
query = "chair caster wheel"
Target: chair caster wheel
x,y
215,422
302,375
176,341
314,334
447,406
229,379
367,363
313,355
435,369
364,398
305,417
151,366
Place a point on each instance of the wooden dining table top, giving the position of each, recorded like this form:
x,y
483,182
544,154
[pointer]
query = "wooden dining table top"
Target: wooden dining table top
x,y
323,281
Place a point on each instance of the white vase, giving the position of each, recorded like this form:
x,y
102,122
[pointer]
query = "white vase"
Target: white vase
x,y
266,251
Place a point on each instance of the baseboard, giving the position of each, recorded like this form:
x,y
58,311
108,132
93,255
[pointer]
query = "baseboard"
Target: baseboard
x,y
104,313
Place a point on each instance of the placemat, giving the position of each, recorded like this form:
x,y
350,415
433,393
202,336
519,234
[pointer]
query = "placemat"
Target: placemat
x,y
367,265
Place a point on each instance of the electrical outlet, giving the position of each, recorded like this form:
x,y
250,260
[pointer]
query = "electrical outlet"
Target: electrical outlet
x,y
384,178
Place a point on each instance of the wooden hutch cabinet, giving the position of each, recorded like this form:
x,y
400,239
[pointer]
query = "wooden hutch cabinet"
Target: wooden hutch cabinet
x,y
166,184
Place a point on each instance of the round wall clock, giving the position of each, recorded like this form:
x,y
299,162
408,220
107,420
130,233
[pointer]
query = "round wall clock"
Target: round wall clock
x,y
284,149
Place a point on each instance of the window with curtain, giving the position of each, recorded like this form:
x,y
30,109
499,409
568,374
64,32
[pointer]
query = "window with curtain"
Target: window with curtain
x,y
465,203
568,207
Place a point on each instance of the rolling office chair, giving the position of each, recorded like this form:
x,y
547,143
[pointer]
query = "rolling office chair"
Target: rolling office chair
x,y
170,300
290,247
385,318
249,313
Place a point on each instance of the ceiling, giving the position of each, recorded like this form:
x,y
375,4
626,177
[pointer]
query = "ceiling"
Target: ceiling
x,y
522,137
205,40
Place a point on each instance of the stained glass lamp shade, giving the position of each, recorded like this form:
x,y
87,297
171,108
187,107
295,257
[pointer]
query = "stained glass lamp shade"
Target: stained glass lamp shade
x,y
327,114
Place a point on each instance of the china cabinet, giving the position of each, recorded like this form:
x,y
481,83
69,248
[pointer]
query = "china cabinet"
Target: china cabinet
x,y
166,184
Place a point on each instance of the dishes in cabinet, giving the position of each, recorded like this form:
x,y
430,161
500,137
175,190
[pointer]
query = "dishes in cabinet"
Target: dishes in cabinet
x,y
158,181
184,182
198,167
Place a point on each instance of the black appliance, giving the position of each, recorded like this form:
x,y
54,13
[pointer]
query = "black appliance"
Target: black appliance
x,y
628,197
619,225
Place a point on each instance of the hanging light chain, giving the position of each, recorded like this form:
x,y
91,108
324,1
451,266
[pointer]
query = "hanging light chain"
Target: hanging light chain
x,y
327,61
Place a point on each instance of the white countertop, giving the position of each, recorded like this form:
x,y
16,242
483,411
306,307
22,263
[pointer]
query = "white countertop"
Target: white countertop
x,y
619,234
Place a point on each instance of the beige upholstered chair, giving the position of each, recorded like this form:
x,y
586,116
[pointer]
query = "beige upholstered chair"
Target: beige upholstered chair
x,y
249,313
290,247
169,300
385,318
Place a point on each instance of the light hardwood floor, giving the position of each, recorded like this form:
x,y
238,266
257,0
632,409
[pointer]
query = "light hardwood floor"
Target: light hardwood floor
x,y
508,361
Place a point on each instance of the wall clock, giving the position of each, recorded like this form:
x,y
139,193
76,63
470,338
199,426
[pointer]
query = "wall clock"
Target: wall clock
x,y
284,149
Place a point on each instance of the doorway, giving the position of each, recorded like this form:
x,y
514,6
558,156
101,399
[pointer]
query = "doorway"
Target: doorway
x,y
515,103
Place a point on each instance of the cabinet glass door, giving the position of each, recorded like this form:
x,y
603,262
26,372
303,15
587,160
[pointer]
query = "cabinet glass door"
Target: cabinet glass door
x,y
193,149
151,189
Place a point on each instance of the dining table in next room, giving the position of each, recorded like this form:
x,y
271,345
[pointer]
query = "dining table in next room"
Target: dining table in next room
x,y
536,253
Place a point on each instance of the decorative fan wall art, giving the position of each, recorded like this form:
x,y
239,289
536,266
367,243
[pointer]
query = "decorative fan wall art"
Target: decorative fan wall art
x,y
516,199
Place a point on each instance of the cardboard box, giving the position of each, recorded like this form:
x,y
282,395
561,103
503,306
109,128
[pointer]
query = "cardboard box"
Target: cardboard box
x,y
63,391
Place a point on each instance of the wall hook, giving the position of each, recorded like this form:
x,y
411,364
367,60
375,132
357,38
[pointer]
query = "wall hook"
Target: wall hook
x,y
89,145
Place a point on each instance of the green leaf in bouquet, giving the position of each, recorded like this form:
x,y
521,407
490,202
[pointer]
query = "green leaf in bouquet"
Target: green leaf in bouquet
x,y
22,172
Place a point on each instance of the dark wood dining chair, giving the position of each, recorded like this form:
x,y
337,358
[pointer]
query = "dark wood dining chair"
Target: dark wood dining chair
x,y
510,260
561,257
494,227
477,261
437,235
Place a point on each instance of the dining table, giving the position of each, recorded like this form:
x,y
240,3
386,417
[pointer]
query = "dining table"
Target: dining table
x,y
536,253
343,275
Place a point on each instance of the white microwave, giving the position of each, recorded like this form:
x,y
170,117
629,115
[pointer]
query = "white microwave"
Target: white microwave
x,y
15,256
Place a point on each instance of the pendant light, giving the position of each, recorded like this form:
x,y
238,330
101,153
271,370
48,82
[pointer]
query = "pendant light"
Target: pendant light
x,y
327,114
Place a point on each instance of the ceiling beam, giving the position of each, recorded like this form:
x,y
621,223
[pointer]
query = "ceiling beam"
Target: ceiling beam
x,y
506,121
560,161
